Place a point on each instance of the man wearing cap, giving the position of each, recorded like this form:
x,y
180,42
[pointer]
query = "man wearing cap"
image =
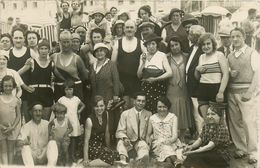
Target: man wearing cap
x,y
188,20
126,53
147,28
243,96
99,21
176,28
226,46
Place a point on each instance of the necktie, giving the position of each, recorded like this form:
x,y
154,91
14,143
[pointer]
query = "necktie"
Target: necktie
x,y
138,125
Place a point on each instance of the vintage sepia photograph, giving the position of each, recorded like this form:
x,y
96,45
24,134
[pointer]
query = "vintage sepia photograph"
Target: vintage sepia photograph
x,y
130,83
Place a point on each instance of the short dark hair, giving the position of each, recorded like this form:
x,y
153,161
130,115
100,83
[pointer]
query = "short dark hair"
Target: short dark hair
x,y
146,8
65,3
97,30
97,99
32,32
228,14
206,36
175,39
136,94
10,18
31,105
112,8
7,78
251,11
69,84
240,30
165,101
8,36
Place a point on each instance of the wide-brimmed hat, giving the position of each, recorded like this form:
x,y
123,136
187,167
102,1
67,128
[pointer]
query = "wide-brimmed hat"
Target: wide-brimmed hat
x,y
224,32
152,37
98,10
5,54
100,45
175,10
146,24
189,18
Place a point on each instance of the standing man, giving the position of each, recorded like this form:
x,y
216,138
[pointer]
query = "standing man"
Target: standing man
x,y
132,129
192,83
226,46
248,26
64,17
77,13
243,96
126,53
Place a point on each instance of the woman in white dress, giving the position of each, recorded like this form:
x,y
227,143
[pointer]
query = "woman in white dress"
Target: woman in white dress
x,y
162,133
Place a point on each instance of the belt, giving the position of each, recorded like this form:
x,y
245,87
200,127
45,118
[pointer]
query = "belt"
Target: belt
x,y
41,86
62,83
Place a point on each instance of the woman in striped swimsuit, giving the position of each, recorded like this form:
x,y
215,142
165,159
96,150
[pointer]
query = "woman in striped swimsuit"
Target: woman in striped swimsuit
x,y
212,72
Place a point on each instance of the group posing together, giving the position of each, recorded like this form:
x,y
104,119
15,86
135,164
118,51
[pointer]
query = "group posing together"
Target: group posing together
x,y
171,80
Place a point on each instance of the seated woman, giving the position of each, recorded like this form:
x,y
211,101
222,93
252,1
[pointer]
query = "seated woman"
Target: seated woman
x,y
97,137
210,150
162,133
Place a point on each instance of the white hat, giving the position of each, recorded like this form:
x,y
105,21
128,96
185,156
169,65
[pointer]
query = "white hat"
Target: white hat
x,y
100,45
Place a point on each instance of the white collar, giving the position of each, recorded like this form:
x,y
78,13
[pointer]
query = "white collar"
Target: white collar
x,y
97,69
240,51
137,112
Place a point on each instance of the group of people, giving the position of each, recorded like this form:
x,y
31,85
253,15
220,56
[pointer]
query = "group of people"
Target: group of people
x,y
160,84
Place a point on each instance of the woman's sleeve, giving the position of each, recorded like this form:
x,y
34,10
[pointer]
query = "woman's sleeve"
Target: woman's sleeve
x,y
115,78
222,137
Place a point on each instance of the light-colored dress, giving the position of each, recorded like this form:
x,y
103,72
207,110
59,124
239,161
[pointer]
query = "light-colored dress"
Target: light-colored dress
x,y
163,130
72,105
177,93
8,116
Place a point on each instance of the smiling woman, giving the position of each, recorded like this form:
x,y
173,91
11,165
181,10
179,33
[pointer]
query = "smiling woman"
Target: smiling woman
x,y
97,136
212,72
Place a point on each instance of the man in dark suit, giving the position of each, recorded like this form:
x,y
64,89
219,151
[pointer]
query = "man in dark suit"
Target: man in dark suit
x,y
192,83
226,46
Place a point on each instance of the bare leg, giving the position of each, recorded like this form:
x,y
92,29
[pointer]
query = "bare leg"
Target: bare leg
x,y
10,145
3,152
65,148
